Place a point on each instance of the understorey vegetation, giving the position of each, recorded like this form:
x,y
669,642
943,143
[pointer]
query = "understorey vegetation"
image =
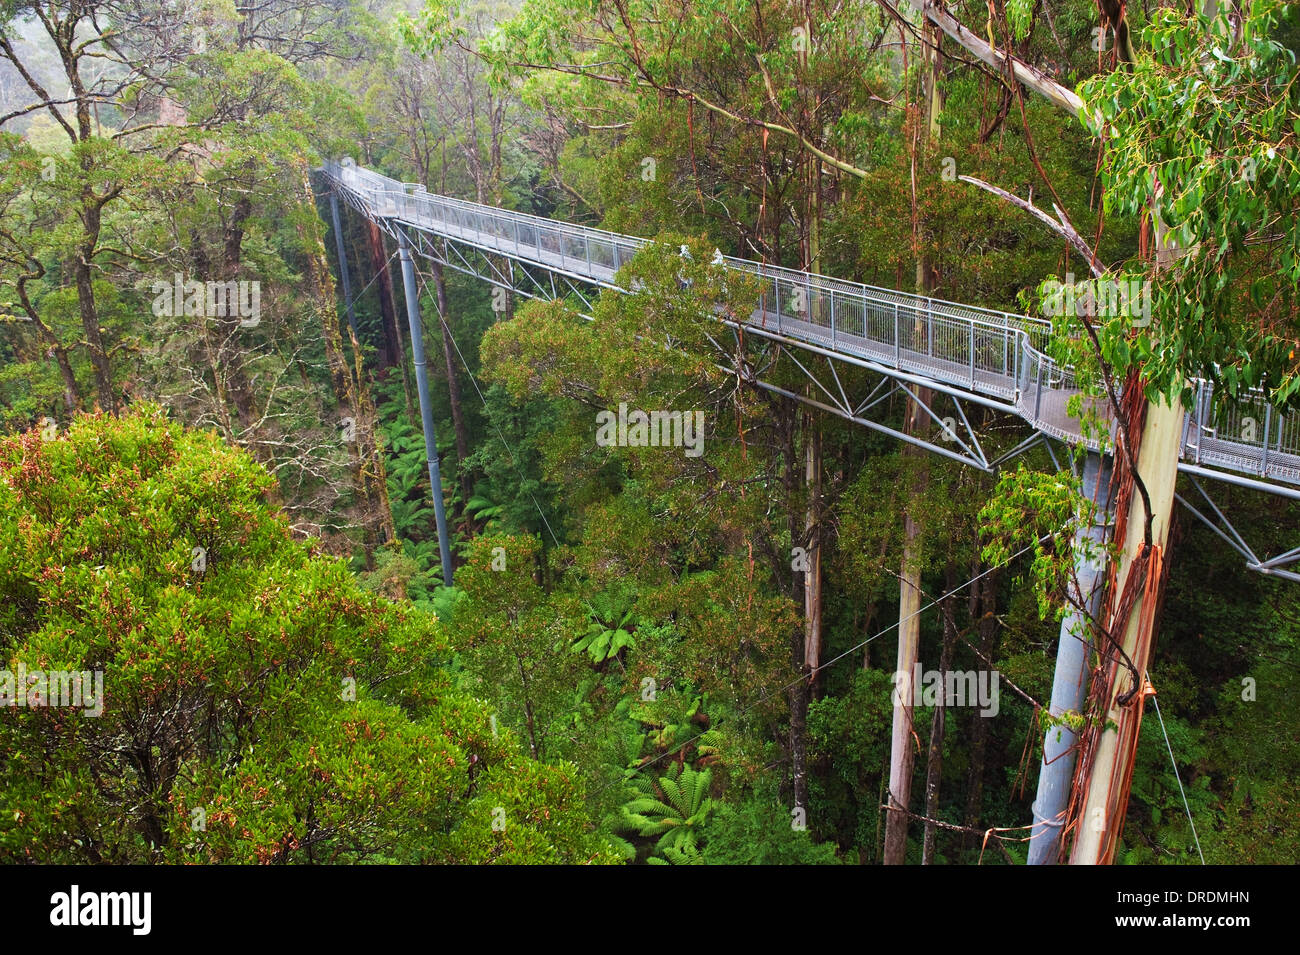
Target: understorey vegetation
x,y
680,575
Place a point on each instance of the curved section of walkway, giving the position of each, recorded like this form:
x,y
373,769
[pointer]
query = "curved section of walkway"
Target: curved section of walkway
x,y
978,351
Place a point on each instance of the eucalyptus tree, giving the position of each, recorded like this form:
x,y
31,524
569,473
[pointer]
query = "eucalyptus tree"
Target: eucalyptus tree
x,y
1199,103
82,97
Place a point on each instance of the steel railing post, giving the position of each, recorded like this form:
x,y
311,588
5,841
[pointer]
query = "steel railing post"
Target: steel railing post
x,y
1015,371
1268,430
1200,419
897,343
832,294
1038,398
1006,343
972,356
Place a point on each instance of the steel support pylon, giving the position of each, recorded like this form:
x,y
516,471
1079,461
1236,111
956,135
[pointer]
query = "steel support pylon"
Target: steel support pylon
x,y
344,276
426,411
1070,684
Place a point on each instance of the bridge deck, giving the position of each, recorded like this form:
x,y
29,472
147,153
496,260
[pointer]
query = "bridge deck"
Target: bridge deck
x,y
978,351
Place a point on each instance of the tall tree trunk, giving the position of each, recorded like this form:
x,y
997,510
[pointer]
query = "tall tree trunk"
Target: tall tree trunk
x,y
71,393
938,724
91,212
868,617
813,578
909,601
1105,791
902,753
213,347
788,427
528,708
241,391
1106,772
369,471
394,351
88,310
988,632
812,596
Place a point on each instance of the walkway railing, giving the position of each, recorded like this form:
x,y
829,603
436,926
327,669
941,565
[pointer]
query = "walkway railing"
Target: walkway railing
x,y
981,351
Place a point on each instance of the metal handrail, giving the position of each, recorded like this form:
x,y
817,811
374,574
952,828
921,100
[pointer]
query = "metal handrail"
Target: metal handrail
x,y
978,350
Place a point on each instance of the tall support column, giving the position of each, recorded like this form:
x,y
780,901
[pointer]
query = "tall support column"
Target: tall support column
x,y
343,266
1071,681
426,412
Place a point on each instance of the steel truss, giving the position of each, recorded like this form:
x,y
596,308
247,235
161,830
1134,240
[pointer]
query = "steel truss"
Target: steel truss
x,y
1272,566
756,349
954,438
971,354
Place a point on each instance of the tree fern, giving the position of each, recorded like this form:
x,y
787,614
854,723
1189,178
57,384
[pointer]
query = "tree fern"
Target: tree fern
x,y
673,809
483,509
603,640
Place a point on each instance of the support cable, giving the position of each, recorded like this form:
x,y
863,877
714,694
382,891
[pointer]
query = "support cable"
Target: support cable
x,y
1174,764
847,653
446,330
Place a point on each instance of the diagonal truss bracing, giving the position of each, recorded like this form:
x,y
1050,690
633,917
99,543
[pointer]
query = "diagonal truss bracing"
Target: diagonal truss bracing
x,y
965,355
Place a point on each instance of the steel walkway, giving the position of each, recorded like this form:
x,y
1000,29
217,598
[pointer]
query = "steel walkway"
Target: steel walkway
x,y
967,353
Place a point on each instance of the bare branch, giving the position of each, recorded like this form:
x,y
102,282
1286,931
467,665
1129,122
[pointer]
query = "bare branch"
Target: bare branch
x,y
1061,225
1030,76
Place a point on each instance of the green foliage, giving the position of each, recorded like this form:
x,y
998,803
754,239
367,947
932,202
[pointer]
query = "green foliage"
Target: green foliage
x,y
1209,118
632,616
528,813
246,679
1041,513
674,810
849,735
604,641
760,833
